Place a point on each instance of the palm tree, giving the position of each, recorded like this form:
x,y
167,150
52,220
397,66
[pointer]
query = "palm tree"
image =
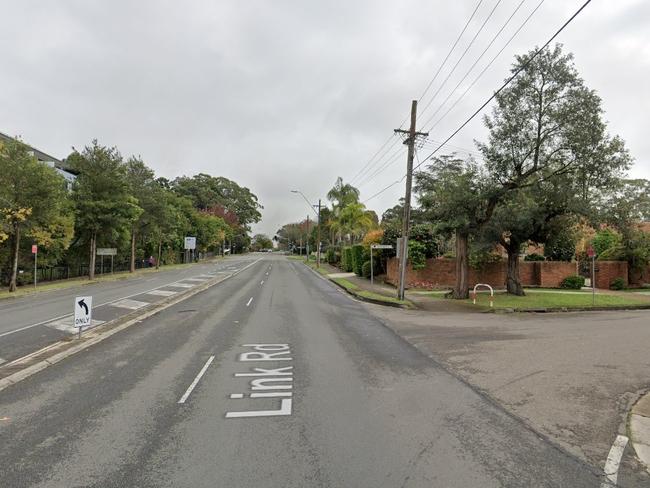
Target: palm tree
x,y
353,221
341,195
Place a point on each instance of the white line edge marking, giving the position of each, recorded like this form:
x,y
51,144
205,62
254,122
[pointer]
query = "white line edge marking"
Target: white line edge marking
x,y
52,319
249,301
196,380
613,461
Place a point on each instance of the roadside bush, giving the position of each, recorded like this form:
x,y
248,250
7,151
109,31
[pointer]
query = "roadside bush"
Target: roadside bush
x,y
332,255
346,259
534,257
417,254
573,282
365,269
617,284
25,278
357,258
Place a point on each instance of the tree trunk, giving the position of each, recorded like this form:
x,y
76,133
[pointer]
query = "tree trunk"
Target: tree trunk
x,y
132,267
93,250
461,290
14,259
513,282
159,254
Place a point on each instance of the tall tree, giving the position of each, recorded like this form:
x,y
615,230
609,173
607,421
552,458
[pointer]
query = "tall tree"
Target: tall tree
x,y
104,205
547,124
32,198
457,196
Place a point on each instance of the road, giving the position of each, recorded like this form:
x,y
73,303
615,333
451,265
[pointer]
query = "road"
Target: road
x,y
31,322
271,378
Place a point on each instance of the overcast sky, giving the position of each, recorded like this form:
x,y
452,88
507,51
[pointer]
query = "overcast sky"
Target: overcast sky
x,y
278,95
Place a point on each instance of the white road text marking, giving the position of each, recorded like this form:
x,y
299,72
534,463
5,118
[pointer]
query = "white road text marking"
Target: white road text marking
x,y
266,379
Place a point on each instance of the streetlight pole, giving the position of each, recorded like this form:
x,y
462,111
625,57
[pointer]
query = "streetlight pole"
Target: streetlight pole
x,y
318,215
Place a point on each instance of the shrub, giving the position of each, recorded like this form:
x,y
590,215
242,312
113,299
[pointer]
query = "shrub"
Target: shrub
x,y
357,258
346,259
365,269
417,254
574,282
534,257
332,255
605,239
561,246
617,284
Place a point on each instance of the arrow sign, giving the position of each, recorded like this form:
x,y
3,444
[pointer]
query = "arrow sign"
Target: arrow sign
x,y
83,309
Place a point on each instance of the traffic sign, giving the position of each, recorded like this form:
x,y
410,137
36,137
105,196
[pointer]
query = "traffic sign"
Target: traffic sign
x,y
381,246
34,248
190,243
83,312
106,251
590,252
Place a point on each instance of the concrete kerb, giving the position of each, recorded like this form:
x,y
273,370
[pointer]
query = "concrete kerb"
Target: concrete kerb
x,y
639,425
104,331
360,297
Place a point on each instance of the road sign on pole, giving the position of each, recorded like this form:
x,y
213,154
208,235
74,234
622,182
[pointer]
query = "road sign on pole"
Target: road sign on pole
x,y
35,253
381,246
106,251
190,243
83,312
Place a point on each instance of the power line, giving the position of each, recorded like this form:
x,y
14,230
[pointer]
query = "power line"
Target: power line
x,y
373,157
461,57
507,82
448,54
489,45
499,90
370,168
435,76
392,160
488,65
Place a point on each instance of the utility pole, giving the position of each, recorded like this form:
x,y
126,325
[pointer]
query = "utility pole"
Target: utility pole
x,y
318,253
410,142
307,239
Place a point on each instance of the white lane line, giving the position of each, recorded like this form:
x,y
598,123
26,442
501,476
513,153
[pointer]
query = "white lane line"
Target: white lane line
x,y
262,282
196,380
613,461
249,301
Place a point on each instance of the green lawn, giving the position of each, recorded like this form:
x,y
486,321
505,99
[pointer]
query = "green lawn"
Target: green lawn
x,y
355,290
348,285
534,300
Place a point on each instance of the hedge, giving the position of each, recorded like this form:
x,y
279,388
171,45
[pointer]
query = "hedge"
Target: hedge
x,y
357,258
346,259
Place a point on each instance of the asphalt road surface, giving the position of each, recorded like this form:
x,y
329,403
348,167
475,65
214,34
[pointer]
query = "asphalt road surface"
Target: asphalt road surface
x,y
32,322
271,378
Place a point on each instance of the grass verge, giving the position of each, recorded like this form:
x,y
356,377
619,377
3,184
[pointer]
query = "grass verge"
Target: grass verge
x,y
535,300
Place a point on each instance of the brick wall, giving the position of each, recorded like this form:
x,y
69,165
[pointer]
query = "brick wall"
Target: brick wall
x,y
440,273
607,271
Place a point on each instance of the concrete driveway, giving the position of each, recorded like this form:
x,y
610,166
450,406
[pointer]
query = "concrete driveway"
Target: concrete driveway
x,y
571,376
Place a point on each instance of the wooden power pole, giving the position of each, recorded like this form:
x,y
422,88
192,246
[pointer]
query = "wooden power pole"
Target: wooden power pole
x,y
410,142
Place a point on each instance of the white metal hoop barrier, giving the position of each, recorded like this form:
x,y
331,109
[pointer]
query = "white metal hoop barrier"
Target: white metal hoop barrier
x,y
491,293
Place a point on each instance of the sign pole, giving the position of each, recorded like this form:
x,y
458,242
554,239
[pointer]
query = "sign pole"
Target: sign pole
x,y
592,254
35,265
111,264
372,275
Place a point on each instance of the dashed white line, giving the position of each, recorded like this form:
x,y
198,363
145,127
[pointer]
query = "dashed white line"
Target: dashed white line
x,y
262,282
613,461
249,301
196,380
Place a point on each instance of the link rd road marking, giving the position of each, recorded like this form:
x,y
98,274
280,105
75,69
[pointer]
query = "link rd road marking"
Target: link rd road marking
x,y
278,380
250,300
196,380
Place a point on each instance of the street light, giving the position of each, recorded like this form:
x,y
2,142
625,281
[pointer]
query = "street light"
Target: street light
x,y
318,215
